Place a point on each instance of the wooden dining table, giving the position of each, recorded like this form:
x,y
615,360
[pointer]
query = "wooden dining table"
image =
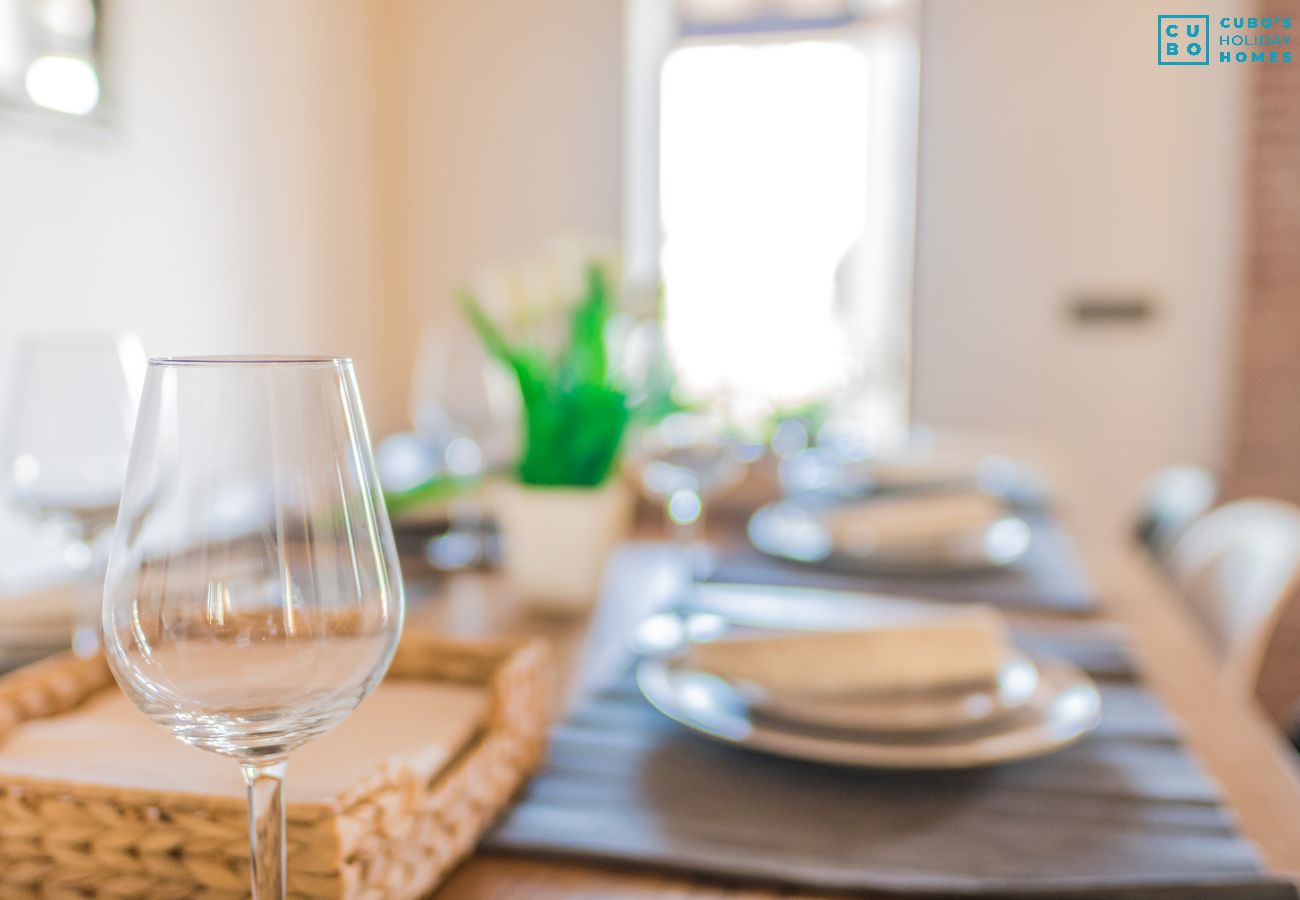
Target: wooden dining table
x,y
1255,767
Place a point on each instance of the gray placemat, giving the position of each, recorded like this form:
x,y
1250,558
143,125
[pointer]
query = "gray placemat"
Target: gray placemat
x,y
1126,813
1049,577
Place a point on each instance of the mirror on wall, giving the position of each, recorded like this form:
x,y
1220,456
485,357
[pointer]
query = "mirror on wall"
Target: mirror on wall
x,y
50,56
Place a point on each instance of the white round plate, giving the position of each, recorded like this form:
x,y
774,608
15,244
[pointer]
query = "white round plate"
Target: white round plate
x,y
1065,707
818,470
791,531
897,713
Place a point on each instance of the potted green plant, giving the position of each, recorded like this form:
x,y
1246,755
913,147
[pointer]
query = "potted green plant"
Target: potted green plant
x,y
564,508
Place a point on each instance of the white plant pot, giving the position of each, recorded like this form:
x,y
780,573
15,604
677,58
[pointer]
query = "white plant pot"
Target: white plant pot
x,y
555,540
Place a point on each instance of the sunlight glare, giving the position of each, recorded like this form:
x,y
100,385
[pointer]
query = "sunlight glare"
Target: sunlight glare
x,y
63,83
763,193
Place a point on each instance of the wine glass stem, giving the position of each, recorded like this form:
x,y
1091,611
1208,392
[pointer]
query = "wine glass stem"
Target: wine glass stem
x,y
685,512
266,828
80,556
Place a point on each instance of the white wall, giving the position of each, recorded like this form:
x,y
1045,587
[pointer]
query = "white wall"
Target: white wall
x,y
228,206
275,179
511,118
1058,158
279,179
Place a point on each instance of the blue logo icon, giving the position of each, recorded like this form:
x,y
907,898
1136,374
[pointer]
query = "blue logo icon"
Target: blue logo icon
x,y
1184,40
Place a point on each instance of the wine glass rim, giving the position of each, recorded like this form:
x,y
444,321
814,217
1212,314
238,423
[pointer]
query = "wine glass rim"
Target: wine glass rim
x,y
250,359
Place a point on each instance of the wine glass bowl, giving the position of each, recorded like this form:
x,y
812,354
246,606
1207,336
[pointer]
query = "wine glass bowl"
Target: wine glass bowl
x,y
464,408
68,423
683,461
691,453
253,597
252,684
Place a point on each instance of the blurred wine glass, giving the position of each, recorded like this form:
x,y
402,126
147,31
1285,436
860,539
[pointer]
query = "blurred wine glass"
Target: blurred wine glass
x,y
68,432
684,460
253,597
464,409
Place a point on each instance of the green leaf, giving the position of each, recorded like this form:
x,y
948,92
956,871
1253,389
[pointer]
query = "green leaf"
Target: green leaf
x,y
586,357
573,420
488,333
435,490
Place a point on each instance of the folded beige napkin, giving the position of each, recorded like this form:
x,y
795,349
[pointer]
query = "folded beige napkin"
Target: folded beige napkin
x,y
922,466
416,725
912,650
913,520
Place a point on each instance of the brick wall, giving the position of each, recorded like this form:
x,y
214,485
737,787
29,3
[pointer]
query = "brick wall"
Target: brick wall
x,y
1264,448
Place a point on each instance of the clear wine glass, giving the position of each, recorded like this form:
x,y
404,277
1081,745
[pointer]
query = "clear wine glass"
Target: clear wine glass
x,y
462,404
253,596
69,421
684,460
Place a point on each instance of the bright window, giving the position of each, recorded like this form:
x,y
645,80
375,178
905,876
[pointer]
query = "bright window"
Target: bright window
x,y
763,193
787,184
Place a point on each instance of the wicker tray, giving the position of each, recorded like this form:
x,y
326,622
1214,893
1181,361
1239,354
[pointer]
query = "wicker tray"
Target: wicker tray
x,y
393,832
